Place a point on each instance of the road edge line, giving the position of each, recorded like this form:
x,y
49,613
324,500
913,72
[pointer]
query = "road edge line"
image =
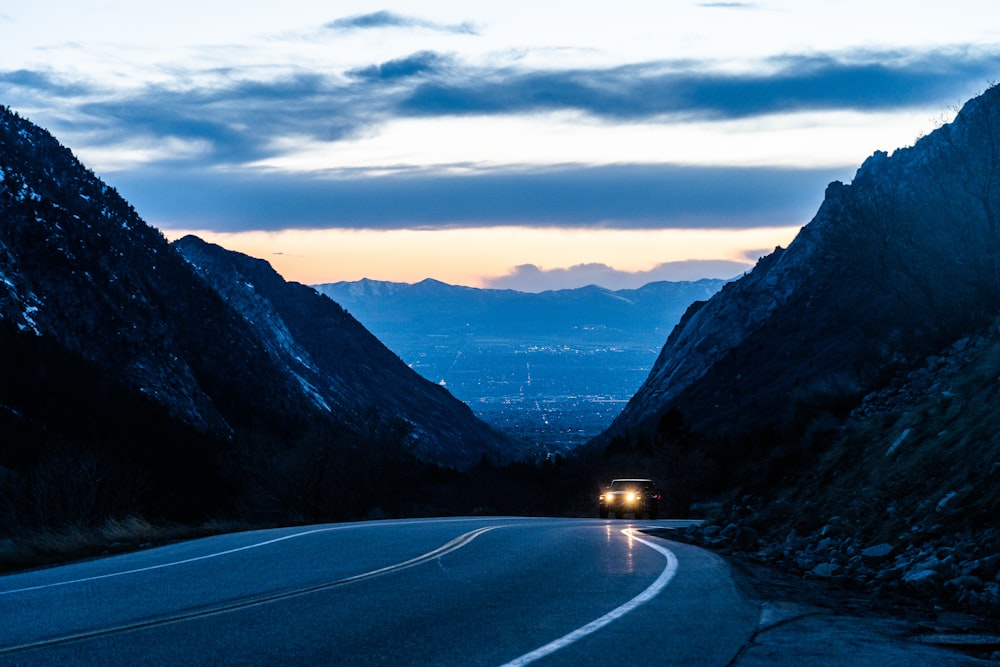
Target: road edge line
x,y
645,596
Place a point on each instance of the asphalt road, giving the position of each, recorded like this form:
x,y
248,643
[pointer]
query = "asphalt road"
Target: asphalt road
x,y
471,591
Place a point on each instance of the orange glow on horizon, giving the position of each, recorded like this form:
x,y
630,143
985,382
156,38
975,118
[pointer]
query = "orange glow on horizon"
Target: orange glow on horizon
x,y
472,256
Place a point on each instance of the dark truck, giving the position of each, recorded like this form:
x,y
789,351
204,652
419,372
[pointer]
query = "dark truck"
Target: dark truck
x,y
638,496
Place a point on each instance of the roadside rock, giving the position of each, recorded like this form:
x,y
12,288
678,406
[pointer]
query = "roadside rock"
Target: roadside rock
x,y
825,570
932,563
746,538
927,565
709,532
878,554
925,582
966,582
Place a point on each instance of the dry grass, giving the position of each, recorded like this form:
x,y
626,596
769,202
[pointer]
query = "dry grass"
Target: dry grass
x,y
49,547
950,450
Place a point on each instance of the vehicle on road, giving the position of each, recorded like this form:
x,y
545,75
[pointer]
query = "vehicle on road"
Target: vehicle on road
x,y
635,496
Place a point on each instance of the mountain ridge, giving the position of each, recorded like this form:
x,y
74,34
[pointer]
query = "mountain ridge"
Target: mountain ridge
x,y
920,229
832,411
339,362
446,300
121,359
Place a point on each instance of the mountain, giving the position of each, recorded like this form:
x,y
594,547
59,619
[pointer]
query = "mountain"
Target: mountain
x,y
554,367
845,382
895,266
590,315
337,363
133,382
899,502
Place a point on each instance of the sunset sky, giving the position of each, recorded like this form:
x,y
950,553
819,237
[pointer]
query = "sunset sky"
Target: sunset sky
x,y
531,145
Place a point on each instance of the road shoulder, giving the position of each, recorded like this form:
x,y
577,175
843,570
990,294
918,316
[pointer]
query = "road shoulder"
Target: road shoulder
x,y
809,622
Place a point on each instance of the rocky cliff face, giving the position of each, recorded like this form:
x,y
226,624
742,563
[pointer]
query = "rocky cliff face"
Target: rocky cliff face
x,y
80,267
895,265
839,400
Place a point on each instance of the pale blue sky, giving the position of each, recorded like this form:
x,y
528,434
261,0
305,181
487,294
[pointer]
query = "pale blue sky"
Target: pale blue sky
x,y
320,135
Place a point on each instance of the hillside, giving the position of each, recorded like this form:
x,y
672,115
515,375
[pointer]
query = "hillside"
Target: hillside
x,y
895,266
554,367
338,363
900,502
841,394
133,384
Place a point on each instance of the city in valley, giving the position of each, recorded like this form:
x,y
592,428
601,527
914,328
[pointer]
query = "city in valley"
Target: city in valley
x,y
558,396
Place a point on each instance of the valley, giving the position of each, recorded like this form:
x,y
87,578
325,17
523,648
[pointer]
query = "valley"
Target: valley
x,y
831,411
555,395
552,368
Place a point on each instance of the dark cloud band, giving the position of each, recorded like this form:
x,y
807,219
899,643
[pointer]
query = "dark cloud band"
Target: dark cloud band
x,y
621,196
237,119
865,81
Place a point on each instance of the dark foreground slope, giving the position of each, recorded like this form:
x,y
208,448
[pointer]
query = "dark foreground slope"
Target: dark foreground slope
x,y
132,383
124,377
900,502
768,388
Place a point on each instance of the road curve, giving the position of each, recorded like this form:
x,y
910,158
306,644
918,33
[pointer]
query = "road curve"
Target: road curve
x,y
456,591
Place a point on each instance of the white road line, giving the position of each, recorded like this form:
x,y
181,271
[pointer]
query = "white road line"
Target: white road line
x,y
651,592
443,550
194,559
161,566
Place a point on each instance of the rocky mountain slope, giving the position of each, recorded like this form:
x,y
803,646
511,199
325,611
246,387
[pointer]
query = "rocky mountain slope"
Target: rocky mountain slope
x,y
901,502
895,266
119,357
338,363
840,397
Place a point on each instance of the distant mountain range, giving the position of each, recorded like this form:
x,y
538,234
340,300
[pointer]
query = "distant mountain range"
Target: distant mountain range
x,y
553,367
166,366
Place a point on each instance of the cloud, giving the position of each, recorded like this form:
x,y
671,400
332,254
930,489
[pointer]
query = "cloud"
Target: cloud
x,y
387,19
238,119
241,119
42,82
616,196
531,278
857,81
728,5
424,62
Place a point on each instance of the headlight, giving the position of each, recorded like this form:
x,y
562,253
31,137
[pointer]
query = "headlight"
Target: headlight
x,y
631,497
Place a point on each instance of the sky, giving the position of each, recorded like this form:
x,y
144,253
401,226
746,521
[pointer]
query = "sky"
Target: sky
x,y
523,145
